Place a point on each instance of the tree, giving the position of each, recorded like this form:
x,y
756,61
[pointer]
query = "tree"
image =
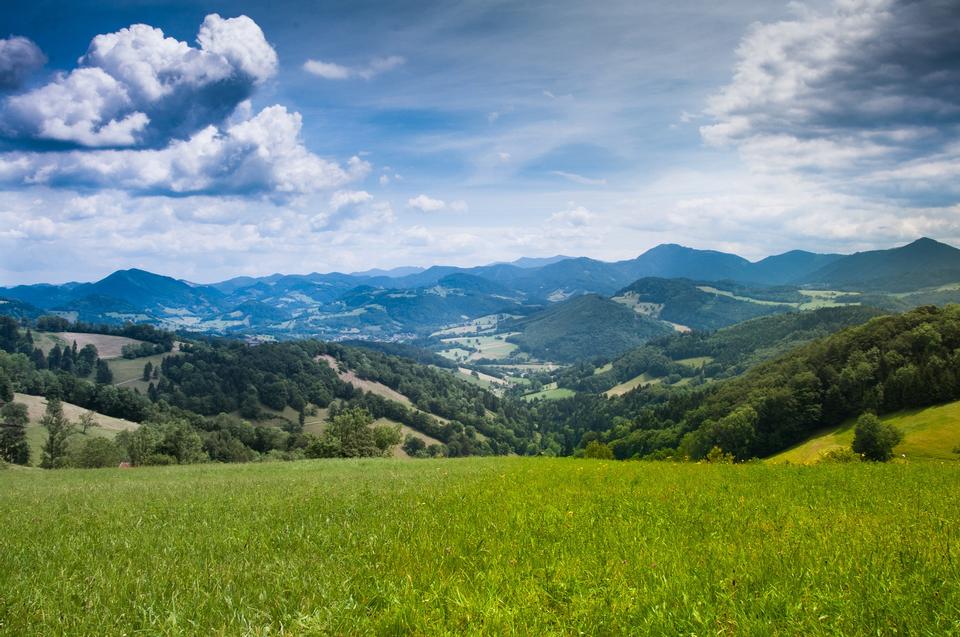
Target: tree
x,y
414,446
94,452
386,437
87,420
598,450
6,387
59,430
104,374
147,371
352,428
874,439
13,433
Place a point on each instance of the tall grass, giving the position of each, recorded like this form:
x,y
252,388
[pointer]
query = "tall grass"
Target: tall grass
x,y
492,546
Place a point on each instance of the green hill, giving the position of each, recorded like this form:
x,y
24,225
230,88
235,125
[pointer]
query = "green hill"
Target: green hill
x,y
700,307
584,327
923,263
928,434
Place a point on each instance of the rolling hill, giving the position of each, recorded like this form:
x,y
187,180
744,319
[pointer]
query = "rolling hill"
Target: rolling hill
x,y
923,263
584,327
395,304
928,434
691,305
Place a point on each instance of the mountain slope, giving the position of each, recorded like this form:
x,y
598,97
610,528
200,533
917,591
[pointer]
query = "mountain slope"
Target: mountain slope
x,y
923,263
928,434
788,267
686,303
585,327
670,260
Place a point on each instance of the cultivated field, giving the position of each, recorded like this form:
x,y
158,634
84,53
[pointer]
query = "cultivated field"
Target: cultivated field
x,y
492,546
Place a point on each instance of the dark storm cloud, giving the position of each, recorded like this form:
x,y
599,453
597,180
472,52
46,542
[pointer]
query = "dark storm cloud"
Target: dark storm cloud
x,y
872,82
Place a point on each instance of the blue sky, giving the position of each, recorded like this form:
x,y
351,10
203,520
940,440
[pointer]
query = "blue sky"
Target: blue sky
x,y
227,138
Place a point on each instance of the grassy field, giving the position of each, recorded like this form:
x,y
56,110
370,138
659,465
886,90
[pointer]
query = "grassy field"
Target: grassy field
x,y
550,391
494,546
633,383
128,372
107,426
928,434
491,347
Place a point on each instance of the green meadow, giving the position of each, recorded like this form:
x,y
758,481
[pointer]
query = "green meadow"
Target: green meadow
x,y
494,546
928,434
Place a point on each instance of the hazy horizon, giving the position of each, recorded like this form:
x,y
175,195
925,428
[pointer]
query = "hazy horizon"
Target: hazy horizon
x,y
224,139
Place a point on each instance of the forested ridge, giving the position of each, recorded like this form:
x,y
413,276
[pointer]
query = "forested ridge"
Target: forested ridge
x,y
755,393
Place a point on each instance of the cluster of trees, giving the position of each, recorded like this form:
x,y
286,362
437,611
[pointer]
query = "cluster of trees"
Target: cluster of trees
x,y
136,331
889,363
141,350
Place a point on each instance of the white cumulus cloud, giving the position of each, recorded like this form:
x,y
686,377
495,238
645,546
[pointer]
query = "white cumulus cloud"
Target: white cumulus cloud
x,y
334,71
138,87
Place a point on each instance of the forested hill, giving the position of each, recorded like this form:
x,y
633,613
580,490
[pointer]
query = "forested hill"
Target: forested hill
x,y
720,354
890,363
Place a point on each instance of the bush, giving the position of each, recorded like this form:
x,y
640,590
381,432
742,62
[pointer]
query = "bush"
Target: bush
x,y
874,439
597,450
159,459
841,455
718,456
94,452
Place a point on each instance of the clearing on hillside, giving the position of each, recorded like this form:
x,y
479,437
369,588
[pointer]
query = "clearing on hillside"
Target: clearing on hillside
x,y
107,426
107,346
633,383
928,434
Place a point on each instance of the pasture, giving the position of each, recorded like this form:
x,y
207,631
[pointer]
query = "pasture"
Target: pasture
x,y
928,434
107,346
493,546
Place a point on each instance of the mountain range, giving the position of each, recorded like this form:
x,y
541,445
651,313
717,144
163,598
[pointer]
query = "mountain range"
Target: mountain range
x,y
408,302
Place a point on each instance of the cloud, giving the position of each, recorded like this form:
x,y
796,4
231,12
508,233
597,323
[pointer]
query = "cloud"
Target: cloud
x,y
575,216
139,88
334,71
579,179
425,203
346,198
261,155
847,95
19,58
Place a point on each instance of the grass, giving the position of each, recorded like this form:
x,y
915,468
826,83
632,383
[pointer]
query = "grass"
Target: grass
x,y
928,434
490,347
128,372
108,426
633,383
495,546
695,362
550,391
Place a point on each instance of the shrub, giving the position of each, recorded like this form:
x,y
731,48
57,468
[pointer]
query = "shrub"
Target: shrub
x,y
597,450
840,455
874,439
718,456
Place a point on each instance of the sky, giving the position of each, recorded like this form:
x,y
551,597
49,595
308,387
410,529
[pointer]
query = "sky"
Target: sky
x,y
206,140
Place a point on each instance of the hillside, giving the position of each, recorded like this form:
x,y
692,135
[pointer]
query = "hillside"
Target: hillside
x,y
584,327
721,354
923,263
694,306
406,303
107,426
928,434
